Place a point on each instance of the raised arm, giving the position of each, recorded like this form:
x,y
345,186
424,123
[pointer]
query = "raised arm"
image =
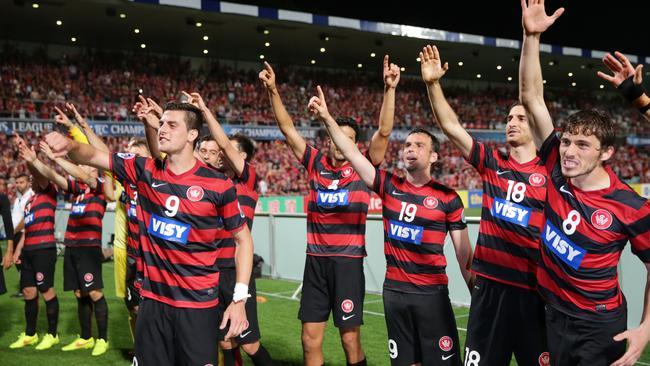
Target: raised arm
x,y
433,70
531,84
628,80
463,249
295,141
69,167
348,147
36,166
92,137
149,113
78,152
233,156
64,121
379,141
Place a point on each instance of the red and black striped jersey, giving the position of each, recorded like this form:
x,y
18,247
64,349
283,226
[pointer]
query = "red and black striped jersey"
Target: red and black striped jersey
x,y
39,219
86,213
129,199
246,186
337,208
582,239
182,218
507,248
416,223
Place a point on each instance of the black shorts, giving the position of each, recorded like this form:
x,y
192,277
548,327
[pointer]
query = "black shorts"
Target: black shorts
x,y
167,335
82,269
574,341
227,279
421,328
335,284
503,320
132,298
37,268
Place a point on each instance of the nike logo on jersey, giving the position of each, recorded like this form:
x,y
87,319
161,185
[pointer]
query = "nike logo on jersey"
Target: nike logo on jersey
x,y
395,193
156,185
88,284
500,172
245,334
404,232
332,198
323,172
563,189
511,212
562,247
168,229
346,317
445,358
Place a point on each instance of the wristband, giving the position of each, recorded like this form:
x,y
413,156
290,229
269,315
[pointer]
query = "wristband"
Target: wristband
x,y
630,90
240,293
644,108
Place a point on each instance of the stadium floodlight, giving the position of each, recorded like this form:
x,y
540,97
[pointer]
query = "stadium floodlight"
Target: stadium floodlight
x,y
359,65
267,44
261,57
59,22
266,31
198,24
35,5
460,63
205,38
142,45
123,15
570,74
417,59
205,52
313,62
73,39
136,31
499,67
372,54
322,50
544,81
402,69
601,86
509,78
478,76
573,83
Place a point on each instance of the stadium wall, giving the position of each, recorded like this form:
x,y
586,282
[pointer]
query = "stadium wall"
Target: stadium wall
x,y
280,240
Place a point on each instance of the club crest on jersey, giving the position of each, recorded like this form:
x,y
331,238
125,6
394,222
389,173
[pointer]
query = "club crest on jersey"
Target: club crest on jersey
x,y
511,212
347,172
430,202
77,209
126,156
537,180
562,247
445,343
168,229
39,276
347,306
544,359
194,193
404,232
29,219
332,198
601,219
88,277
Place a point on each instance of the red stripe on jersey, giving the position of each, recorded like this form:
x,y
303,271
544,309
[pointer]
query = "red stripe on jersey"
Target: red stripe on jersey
x,y
506,260
133,226
213,199
85,219
335,240
39,219
524,185
596,225
397,274
427,212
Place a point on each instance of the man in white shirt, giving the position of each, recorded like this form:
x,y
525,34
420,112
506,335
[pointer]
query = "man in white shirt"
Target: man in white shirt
x,y
24,193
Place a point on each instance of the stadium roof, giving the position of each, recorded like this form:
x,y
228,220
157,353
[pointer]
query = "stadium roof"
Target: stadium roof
x,y
303,40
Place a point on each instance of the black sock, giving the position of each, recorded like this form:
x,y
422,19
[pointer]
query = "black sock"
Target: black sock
x,y
52,310
31,313
230,356
84,311
101,315
261,357
360,363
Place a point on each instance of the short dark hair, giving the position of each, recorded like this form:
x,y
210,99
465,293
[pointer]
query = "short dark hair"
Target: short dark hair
x,y
21,175
591,122
515,104
246,144
435,144
193,115
139,141
350,122
205,138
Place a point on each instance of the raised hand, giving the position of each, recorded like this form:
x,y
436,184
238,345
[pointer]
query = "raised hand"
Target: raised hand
x,y
534,18
195,99
62,119
147,112
267,76
317,105
431,65
25,152
621,69
77,116
59,144
45,148
391,74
